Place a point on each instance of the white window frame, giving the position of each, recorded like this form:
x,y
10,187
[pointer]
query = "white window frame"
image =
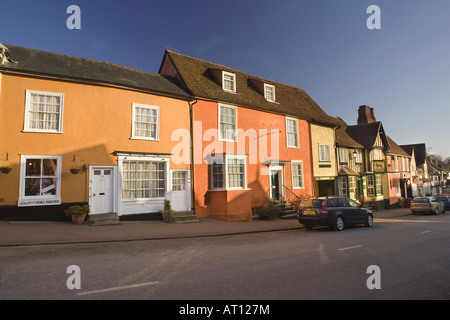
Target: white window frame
x,y
144,159
44,200
226,181
378,184
359,157
343,186
396,163
297,136
133,122
326,154
377,154
268,91
26,127
370,185
224,73
343,155
294,163
220,135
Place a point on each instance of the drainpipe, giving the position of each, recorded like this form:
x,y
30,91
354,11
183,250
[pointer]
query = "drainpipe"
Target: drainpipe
x,y
191,120
313,180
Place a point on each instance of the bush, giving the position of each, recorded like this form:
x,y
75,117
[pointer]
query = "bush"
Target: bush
x,y
268,210
77,210
168,214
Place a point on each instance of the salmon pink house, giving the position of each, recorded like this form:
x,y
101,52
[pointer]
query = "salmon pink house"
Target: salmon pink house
x,y
251,137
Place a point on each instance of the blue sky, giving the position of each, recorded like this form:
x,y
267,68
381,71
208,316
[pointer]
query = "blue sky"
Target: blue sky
x,y
322,46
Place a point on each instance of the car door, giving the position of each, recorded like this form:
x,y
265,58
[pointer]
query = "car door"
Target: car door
x,y
436,204
347,211
360,215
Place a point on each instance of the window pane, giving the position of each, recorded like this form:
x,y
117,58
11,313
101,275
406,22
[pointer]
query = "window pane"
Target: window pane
x,y
297,172
227,125
145,121
44,112
50,167
291,133
33,167
235,173
48,186
32,187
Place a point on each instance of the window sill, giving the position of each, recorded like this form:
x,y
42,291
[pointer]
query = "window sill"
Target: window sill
x,y
234,189
42,131
144,139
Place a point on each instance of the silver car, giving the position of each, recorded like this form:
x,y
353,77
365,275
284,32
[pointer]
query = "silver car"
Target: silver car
x,y
427,205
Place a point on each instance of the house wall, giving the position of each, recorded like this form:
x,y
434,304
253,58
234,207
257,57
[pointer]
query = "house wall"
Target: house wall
x,y
96,122
258,132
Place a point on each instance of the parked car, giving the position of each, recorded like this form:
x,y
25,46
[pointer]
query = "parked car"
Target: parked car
x,y
445,200
427,205
336,212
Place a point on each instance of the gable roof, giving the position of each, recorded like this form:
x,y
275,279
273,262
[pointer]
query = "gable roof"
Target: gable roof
x,y
420,152
395,149
367,134
200,78
343,137
54,65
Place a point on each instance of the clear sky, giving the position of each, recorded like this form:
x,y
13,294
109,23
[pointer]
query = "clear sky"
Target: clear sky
x,y
322,46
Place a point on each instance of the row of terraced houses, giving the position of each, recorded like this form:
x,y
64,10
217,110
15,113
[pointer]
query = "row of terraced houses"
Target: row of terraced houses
x,y
213,140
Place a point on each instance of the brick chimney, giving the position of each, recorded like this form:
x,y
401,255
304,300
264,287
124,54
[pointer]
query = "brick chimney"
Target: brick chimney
x,y
366,115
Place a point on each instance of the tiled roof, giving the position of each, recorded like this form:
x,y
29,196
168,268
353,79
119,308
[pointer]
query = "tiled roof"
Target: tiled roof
x,y
395,149
202,78
49,64
343,137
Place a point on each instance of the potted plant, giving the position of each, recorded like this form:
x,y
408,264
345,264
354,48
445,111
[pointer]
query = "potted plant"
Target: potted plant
x,y
78,213
5,169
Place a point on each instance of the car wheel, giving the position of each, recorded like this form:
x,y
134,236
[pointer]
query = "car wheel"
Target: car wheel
x,y
308,226
339,224
369,221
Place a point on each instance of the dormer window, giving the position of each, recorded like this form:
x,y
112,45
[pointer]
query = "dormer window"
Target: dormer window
x,y
269,92
229,81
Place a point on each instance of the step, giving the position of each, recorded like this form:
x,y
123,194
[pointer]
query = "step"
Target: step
x,y
186,217
103,219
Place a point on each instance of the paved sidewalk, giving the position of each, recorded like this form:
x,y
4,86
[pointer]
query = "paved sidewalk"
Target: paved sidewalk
x,y
39,233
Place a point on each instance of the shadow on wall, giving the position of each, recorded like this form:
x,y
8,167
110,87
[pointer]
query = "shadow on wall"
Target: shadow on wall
x,y
74,185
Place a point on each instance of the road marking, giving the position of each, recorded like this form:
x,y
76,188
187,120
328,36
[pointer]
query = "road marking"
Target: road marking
x,y
118,288
349,248
428,231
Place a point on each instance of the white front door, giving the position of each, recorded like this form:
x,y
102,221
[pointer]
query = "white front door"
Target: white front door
x,y
180,195
101,195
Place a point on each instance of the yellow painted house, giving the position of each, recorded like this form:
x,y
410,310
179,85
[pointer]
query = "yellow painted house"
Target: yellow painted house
x,y
78,131
323,159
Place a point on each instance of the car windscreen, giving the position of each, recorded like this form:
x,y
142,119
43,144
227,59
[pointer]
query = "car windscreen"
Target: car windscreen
x,y
442,198
422,200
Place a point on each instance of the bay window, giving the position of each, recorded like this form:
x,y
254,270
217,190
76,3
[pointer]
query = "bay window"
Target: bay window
x,y
229,172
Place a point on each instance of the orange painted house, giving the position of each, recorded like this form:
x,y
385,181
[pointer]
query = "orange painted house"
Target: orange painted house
x,y
251,137
78,131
